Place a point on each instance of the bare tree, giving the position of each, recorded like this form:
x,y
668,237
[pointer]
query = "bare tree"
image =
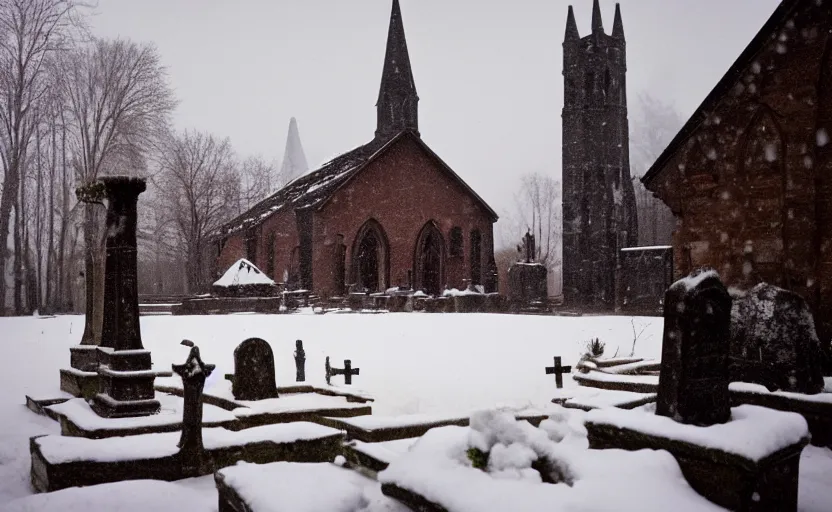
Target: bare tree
x,y
119,102
31,32
652,131
200,183
258,179
538,211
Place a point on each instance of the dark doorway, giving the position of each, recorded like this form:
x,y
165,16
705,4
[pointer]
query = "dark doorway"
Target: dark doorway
x,y
369,260
429,259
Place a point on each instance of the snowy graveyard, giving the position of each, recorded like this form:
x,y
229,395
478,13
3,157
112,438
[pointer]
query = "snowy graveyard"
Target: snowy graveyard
x,y
425,373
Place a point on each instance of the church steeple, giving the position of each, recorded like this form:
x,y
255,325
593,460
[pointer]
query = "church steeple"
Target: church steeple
x,y
397,106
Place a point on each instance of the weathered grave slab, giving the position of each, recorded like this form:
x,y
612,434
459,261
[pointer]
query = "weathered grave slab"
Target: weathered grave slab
x,y
296,403
291,486
39,403
634,383
375,429
749,463
59,462
375,457
600,398
816,409
154,495
78,419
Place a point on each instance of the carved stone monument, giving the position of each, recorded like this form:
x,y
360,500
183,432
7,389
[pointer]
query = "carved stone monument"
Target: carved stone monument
x,y
693,384
193,373
300,362
125,374
527,279
253,377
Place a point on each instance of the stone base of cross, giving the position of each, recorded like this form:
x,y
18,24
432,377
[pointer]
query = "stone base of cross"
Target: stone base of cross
x,y
558,370
347,371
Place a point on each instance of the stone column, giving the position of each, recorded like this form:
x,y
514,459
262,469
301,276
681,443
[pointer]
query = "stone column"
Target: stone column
x,y
126,378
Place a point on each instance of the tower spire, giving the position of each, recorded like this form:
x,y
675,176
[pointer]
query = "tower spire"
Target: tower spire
x,y
294,159
571,26
597,22
618,25
397,106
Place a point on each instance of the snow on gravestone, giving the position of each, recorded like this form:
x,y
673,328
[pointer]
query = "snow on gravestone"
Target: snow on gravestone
x,y
773,341
254,371
693,383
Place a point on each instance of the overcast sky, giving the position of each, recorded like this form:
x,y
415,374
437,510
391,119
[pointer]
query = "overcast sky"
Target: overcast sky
x,y
488,72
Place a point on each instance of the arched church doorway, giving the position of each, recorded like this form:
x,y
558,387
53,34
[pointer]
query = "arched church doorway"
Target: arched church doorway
x,y
429,259
370,258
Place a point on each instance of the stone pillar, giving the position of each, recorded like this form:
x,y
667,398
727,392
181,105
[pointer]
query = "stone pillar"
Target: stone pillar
x,y
125,374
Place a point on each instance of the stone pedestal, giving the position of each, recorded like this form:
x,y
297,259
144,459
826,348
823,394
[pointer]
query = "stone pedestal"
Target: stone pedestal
x,y
126,384
81,378
527,286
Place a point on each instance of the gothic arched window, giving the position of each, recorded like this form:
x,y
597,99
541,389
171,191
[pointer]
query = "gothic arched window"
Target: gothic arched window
x,y
762,149
456,241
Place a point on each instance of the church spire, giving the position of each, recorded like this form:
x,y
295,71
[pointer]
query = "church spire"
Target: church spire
x,y
397,107
597,22
572,33
618,25
294,159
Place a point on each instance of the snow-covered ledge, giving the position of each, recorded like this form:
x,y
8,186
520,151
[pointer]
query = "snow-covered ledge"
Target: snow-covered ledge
x,y
751,462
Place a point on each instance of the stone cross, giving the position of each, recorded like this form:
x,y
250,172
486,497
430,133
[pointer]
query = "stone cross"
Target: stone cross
x,y
693,382
300,362
193,373
348,371
558,370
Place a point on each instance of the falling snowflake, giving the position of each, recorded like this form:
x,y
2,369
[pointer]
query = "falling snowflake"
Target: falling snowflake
x,y
822,137
771,152
781,48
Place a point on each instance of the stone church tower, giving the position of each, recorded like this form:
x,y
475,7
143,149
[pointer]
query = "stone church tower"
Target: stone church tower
x,y
599,211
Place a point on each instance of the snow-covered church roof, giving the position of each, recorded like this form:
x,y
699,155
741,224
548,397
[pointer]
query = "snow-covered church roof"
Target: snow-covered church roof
x,y
243,273
315,188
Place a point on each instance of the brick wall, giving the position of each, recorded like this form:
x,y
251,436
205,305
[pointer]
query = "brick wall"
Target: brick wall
x,y
750,186
403,189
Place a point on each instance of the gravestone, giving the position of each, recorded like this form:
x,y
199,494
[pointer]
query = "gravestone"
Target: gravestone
x,y
558,370
693,383
347,371
300,362
774,343
193,373
253,371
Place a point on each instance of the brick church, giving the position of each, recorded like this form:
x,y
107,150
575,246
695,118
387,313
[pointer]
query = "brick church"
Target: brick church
x,y
388,213
749,176
599,209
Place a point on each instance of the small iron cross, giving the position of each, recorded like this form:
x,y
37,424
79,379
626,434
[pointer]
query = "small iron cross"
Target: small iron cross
x,y
348,371
558,370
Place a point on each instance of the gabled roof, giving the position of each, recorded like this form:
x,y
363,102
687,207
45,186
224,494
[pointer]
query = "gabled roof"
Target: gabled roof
x,y
770,30
313,190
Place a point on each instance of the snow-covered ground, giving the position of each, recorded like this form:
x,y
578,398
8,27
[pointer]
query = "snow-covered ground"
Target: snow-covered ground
x,y
411,363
